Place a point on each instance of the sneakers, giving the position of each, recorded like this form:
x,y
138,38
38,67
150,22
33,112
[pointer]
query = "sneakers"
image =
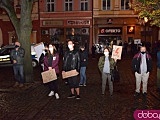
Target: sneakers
x,y
21,85
83,85
80,84
144,94
71,96
51,93
136,94
16,84
56,95
78,97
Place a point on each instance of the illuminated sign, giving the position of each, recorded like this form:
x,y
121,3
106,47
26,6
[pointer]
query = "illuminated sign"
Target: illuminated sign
x,y
78,22
110,30
130,29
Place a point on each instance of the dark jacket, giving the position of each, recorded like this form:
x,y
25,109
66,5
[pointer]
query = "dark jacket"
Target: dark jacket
x,y
75,61
83,58
51,61
136,62
158,59
18,56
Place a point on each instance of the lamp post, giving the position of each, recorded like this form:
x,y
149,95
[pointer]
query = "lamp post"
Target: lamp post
x,y
145,22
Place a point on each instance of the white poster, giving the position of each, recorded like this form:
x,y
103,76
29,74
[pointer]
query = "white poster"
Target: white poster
x,y
117,52
39,49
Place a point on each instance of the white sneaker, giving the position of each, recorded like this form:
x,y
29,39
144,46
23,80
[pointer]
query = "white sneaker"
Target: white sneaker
x,y
51,93
56,95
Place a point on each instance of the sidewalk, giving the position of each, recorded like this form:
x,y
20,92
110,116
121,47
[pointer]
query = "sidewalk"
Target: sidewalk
x,y
34,104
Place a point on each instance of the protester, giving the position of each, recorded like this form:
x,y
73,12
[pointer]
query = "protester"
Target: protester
x,y
93,51
71,61
106,65
158,69
51,60
17,57
83,65
142,66
41,58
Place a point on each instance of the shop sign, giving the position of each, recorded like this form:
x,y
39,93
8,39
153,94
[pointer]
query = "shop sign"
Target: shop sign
x,y
110,30
78,22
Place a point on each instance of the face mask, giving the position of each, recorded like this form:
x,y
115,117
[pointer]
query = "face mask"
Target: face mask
x,y
143,52
16,46
106,53
51,50
70,46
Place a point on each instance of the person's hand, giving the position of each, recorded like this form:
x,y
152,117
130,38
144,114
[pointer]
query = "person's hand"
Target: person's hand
x,y
14,61
50,68
63,72
115,59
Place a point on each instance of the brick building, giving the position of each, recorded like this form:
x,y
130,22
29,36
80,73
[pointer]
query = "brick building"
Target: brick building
x,y
114,20
7,31
66,19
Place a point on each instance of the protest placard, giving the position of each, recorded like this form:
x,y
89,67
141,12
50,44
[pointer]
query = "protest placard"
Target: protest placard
x,y
117,51
69,74
49,76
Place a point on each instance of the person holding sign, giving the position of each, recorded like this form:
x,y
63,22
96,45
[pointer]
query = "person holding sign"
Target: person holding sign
x,y
106,65
51,60
71,66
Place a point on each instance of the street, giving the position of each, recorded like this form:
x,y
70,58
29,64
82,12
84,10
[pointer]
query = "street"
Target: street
x,y
32,102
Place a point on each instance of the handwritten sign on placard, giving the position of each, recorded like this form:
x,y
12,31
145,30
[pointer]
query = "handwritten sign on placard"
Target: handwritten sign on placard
x,y
69,74
117,51
49,76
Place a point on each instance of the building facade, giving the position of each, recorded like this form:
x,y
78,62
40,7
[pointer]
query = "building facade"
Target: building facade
x,y
115,20
7,31
66,19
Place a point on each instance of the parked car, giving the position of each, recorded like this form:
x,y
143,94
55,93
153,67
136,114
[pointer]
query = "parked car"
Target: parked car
x,y
5,55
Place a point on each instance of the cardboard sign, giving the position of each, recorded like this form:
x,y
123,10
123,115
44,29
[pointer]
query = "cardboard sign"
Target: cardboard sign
x,y
49,76
69,74
117,51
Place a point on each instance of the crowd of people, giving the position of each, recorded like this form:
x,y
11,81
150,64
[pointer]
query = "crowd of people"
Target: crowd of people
x,y
78,60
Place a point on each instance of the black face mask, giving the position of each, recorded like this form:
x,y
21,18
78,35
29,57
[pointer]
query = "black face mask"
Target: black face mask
x,y
143,52
16,46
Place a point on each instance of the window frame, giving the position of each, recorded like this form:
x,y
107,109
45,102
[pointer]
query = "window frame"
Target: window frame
x,y
51,4
68,2
124,4
85,5
106,5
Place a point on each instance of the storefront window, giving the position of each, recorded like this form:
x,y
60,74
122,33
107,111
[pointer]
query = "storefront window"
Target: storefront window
x,y
56,35
124,4
106,4
50,5
84,5
68,5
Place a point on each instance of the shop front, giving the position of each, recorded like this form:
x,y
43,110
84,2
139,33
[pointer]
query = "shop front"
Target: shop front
x,y
58,31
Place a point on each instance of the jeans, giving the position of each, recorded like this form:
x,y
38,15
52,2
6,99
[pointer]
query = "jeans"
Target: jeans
x,y
83,75
144,78
18,73
105,77
158,78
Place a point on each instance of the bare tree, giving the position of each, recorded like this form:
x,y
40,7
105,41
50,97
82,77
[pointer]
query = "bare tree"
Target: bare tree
x,y
23,28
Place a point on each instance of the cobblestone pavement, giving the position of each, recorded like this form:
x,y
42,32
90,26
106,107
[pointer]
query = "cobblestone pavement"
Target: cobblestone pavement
x,y
32,102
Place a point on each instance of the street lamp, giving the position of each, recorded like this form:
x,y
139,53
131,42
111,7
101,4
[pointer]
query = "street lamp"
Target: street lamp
x,y
145,22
